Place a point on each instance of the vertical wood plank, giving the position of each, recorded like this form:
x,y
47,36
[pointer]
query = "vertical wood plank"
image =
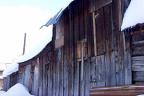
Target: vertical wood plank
x,y
76,79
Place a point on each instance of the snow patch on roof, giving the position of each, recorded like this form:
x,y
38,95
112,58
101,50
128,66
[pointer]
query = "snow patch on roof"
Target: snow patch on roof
x,y
134,14
35,43
141,95
42,38
11,68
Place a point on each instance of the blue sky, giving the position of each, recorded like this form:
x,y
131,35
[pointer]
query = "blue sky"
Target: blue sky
x,y
23,16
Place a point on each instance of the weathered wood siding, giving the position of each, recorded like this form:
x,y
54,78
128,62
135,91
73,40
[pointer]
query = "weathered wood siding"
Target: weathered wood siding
x,y
1,84
136,42
131,90
87,51
10,80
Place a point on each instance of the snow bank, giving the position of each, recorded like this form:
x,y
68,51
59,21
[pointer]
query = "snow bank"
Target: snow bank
x,y
141,95
134,14
2,93
17,90
11,68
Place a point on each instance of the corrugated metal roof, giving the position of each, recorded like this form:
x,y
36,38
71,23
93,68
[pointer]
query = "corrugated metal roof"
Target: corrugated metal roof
x,y
56,17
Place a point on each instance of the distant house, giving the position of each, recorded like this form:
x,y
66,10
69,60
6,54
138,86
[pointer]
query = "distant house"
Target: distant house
x,y
1,80
10,75
2,67
88,54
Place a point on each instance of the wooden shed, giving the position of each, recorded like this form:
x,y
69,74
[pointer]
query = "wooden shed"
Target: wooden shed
x,y
136,36
87,51
10,75
9,81
133,28
1,83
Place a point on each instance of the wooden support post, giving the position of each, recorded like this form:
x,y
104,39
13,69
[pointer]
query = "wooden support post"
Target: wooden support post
x,y
82,61
94,34
124,44
24,43
82,65
82,57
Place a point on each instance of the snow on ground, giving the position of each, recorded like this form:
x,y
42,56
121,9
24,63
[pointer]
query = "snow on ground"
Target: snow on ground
x,y
134,14
11,68
2,93
16,90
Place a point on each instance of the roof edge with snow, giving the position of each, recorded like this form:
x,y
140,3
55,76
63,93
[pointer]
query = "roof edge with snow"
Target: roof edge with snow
x,y
50,22
12,68
134,15
138,27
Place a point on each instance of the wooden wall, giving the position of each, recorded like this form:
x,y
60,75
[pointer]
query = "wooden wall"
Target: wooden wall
x,y
9,81
87,50
1,84
136,42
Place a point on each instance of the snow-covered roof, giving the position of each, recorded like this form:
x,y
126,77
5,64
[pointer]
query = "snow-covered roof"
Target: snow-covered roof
x,y
41,39
2,67
134,14
11,68
16,90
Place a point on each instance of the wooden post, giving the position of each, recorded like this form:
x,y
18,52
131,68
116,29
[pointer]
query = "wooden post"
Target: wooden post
x,y
82,57
24,43
94,33
124,44
82,66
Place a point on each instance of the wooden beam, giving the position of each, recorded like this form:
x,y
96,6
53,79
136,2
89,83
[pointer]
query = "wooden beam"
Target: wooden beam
x,y
138,42
97,4
138,58
82,57
82,68
131,90
59,42
137,32
24,45
94,33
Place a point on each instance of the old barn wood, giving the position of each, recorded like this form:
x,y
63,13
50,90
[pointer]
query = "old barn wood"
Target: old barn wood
x,y
87,52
